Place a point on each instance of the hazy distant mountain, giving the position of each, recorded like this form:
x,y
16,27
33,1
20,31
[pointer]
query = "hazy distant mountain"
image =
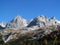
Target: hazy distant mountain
x,y
18,22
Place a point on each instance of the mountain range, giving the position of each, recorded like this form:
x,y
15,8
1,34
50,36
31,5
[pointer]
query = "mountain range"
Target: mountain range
x,y
20,27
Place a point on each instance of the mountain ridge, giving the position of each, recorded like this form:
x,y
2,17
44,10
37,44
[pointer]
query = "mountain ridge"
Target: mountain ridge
x,y
19,27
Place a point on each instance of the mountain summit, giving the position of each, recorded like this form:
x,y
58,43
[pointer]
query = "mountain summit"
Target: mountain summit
x,y
42,21
17,23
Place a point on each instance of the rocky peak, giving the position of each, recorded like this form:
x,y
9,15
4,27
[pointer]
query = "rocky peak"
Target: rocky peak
x,y
17,22
42,21
17,18
53,18
39,20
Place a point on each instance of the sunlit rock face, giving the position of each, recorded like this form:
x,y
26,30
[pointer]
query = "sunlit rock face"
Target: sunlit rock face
x,y
17,23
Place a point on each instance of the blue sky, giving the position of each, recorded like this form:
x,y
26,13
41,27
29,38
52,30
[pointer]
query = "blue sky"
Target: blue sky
x,y
28,9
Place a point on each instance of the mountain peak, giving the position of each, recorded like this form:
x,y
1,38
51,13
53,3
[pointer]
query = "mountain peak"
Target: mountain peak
x,y
17,22
18,16
42,21
41,16
53,18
